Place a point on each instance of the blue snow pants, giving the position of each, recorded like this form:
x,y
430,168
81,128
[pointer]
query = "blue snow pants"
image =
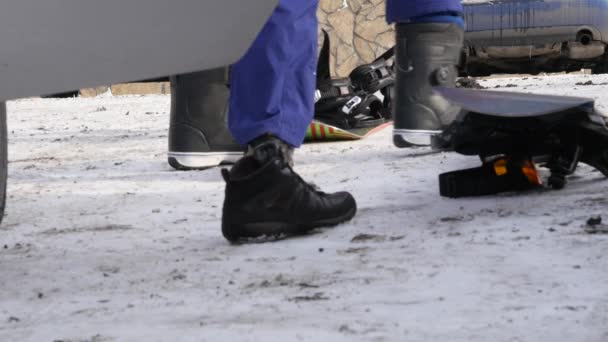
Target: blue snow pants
x,y
272,87
400,11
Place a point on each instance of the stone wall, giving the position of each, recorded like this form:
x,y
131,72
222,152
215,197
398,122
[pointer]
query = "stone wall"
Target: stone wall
x,y
358,32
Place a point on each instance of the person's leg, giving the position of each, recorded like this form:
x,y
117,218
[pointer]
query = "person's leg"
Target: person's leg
x,y
429,38
271,105
272,86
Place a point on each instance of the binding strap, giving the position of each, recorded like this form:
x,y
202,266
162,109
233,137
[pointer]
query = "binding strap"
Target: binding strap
x,y
357,112
372,77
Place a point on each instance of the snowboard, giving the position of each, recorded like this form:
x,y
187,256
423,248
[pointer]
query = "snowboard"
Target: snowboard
x,y
555,132
321,132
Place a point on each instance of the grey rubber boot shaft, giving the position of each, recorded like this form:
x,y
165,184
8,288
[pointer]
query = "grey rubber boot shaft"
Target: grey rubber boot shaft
x,y
426,56
199,106
198,134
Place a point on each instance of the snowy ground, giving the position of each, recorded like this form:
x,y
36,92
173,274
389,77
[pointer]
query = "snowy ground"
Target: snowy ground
x,y
104,242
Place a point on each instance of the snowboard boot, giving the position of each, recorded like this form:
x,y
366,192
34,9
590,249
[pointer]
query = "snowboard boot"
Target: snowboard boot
x,y
426,56
266,198
198,133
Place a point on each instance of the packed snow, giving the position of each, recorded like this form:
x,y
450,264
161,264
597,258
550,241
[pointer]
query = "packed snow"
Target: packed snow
x,y
103,241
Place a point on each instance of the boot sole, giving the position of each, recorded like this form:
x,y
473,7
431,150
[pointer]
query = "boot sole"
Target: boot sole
x,y
184,161
242,232
404,138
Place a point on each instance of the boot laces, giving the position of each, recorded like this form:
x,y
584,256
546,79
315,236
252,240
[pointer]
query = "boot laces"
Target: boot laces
x,y
310,185
272,148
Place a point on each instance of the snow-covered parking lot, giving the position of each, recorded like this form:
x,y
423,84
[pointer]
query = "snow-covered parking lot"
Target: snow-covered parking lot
x,y
103,241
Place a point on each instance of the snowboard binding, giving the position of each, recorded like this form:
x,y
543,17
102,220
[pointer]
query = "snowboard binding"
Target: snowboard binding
x,y
513,133
494,176
362,100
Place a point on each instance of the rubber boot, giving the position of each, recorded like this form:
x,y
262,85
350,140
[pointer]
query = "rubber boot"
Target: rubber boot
x,y
265,197
198,133
427,55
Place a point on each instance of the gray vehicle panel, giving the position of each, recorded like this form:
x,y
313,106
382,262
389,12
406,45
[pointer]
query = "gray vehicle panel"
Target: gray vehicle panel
x,y
517,22
49,46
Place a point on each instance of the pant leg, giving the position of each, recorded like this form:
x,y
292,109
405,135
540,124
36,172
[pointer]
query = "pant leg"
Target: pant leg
x,y
272,86
401,11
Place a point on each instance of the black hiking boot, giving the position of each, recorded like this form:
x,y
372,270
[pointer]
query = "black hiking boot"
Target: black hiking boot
x,y
198,134
426,56
266,198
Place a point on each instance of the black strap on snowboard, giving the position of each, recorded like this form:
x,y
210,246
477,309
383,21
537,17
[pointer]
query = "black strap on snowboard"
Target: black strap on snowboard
x,y
356,113
333,93
373,77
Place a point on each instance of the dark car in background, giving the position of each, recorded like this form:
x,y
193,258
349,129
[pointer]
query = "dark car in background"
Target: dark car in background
x,y
516,36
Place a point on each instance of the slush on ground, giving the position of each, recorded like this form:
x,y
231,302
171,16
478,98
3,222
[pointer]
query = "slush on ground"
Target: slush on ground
x,y
103,241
